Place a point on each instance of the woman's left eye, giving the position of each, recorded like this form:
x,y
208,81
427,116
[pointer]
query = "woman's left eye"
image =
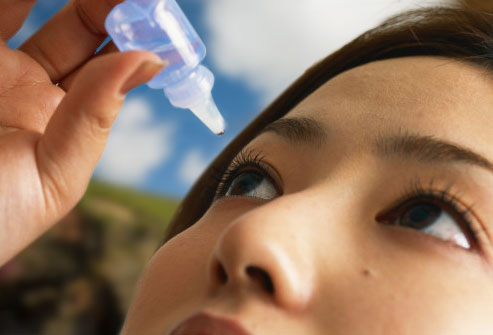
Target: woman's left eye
x,y
252,184
430,218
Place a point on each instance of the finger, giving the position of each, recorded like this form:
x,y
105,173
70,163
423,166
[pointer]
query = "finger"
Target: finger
x,y
66,82
27,97
13,14
70,37
76,134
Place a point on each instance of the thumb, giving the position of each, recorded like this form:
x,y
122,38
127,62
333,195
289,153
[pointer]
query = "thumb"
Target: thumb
x,y
76,135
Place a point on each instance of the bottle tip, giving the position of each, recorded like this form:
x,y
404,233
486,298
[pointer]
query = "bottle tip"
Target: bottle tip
x,y
208,113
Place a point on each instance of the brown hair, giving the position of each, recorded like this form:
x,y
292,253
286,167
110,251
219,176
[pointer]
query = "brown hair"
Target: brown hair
x,y
463,34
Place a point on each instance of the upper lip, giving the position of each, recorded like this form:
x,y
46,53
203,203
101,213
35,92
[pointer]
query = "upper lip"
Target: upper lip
x,y
206,324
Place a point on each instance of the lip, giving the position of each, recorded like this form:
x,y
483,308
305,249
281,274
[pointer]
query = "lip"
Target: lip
x,y
206,324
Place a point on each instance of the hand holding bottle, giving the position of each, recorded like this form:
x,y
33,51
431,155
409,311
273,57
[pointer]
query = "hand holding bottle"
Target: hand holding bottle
x,y
51,136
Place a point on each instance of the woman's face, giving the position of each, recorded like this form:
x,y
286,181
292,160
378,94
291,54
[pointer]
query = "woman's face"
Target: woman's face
x,y
367,209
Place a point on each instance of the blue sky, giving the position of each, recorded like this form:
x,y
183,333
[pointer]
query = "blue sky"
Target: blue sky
x,y
256,48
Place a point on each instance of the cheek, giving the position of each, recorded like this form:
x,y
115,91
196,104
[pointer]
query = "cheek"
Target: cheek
x,y
398,285
174,282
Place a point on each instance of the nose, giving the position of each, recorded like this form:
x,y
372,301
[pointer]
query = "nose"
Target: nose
x,y
263,252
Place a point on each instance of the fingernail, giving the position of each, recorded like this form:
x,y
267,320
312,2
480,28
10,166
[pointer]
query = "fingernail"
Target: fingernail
x,y
145,72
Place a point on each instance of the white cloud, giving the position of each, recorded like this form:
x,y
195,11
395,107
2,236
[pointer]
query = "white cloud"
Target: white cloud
x,y
192,166
136,146
270,43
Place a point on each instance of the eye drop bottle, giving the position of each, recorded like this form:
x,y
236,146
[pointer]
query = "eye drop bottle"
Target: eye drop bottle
x,y
161,26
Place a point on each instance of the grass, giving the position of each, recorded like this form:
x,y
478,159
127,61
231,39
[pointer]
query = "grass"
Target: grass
x,y
153,206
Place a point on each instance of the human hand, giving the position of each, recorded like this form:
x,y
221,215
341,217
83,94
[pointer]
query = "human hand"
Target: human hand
x,y
51,136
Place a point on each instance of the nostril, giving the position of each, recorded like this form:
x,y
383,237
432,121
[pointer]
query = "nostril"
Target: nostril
x,y
221,273
261,276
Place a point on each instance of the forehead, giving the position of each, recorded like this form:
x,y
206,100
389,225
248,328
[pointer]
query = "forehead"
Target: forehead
x,y
426,95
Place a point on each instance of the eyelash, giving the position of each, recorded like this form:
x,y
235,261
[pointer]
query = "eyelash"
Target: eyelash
x,y
415,191
447,200
245,159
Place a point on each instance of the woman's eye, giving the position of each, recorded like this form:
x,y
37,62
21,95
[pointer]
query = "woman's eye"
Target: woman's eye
x,y
430,219
252,184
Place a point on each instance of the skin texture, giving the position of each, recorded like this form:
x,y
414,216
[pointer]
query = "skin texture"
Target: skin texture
x,y
51,136
335,268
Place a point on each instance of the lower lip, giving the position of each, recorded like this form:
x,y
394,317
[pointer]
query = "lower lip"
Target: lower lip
x,y
203,324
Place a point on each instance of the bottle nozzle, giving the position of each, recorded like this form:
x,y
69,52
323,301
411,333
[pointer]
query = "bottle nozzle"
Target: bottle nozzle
x,y
194,93
208,113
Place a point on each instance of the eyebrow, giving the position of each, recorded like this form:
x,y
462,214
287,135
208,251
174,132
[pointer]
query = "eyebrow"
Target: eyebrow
x,y
304,130
298,130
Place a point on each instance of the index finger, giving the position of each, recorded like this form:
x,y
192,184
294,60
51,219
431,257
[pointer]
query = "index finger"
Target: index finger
x,y
70,38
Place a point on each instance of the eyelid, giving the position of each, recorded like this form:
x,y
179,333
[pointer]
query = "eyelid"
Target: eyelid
x,y
245,159
459,211
463,222
273,171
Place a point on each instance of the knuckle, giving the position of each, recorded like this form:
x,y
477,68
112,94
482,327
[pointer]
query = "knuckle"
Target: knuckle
x,y
101,124
97,122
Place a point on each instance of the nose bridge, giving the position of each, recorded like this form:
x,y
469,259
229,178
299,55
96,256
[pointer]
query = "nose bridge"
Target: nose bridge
x,y
266,249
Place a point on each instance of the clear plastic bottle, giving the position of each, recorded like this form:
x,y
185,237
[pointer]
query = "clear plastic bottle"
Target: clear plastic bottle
x,y
161,27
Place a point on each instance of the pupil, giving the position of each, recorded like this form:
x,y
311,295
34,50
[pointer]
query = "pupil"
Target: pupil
x,y
421,215
245,183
